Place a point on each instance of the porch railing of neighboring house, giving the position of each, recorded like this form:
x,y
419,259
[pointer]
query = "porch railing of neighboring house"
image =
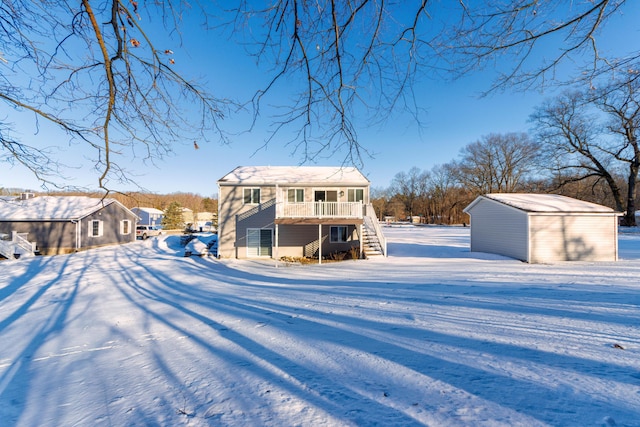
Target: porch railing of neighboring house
x,y
6,247
370,213
24,246
17,244
320,210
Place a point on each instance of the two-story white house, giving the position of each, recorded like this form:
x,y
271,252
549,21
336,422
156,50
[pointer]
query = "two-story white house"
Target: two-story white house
x,y
297,211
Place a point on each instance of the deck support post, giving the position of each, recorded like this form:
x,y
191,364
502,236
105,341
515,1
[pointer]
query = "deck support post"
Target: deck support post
x,y
277,244
319,243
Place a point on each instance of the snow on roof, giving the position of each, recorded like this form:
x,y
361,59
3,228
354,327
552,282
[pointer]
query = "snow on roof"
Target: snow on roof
x,y
51,208
148,210
265,175
547,203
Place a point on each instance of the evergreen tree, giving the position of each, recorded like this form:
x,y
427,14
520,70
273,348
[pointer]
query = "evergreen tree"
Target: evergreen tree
x,y
173,217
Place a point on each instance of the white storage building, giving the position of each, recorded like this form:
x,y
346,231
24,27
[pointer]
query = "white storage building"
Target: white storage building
x,y
540,228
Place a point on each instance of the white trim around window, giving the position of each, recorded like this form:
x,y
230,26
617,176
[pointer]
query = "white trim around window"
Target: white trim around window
x,y
125,227
96,228
251,196
295,195
355,195
259,242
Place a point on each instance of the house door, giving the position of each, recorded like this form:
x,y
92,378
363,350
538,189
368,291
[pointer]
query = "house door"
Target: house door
x,y
322,196
259,242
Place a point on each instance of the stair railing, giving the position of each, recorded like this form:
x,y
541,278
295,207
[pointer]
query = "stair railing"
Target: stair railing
x,y
20,241
371,214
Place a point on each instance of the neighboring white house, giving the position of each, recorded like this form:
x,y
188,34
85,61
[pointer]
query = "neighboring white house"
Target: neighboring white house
x,y
539,228
204,221
149,216
188,218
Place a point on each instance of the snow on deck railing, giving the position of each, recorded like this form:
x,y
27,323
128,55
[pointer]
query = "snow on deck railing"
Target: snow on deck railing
x,y
320,210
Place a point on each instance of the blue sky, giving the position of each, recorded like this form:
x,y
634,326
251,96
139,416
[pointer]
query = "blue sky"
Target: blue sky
x,y
454,115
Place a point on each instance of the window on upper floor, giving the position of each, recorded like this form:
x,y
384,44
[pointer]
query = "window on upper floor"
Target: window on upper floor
x,y
295,195
355,195
125,227
251,196
95,228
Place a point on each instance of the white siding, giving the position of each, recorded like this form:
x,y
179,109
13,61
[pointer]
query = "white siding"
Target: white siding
x,y
499,229
573,238
543,228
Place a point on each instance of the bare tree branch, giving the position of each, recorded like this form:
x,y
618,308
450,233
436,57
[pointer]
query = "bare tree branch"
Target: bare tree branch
x,y
581,149
92,70
360,60
333,67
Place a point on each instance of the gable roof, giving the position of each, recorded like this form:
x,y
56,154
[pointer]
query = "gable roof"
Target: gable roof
x,y
147,210
543,203
298,175
52,208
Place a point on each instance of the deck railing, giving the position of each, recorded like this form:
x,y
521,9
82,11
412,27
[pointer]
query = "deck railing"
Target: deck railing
x,y
320,210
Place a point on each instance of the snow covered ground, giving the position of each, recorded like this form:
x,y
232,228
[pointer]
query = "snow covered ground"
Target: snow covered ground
x,y
433,335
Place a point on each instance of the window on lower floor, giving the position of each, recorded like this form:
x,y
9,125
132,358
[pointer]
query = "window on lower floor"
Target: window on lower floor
x,y
259,242
125,227
95,228
338,234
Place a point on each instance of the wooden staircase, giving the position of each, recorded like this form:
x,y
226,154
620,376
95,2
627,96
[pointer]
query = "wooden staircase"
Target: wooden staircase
x,y
373,241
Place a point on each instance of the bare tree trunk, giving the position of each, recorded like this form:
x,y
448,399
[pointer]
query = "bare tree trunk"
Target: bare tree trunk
x,y
629,218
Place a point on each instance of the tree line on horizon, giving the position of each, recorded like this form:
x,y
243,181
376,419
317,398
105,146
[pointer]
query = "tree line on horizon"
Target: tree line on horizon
x,y
584,145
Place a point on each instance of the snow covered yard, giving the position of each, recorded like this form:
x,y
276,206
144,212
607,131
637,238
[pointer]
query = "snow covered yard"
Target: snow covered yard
x,y
433,335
